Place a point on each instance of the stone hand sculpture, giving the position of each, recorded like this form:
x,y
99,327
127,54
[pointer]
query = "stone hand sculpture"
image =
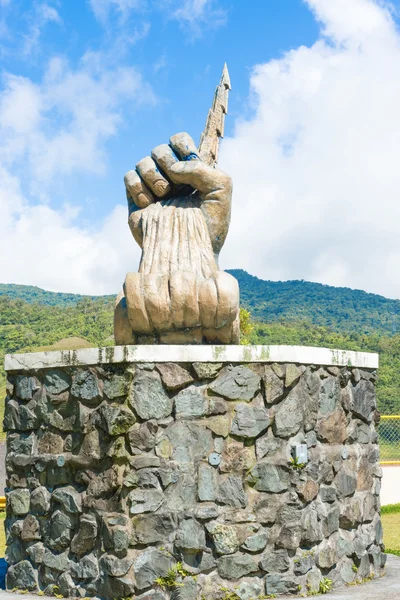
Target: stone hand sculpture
x,y
179,214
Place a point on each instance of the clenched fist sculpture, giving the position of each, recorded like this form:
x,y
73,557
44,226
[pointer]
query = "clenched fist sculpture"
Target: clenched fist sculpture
x,y
179,213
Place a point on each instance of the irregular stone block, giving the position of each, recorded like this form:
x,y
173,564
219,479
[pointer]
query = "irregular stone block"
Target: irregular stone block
x,y
25,387
174,376
364,400
220,425
277,584
85,386
150,565
350,513
190,536
116,532
85,539
188,442
268,446
217,406
236,566
249,421
269,478
181,496
308,490
117,386
19,417
21,443
248,590
292,374
327,555
18,501
224,537
22,576
275,562
50,443
191,402
311,530
256,542
303,562
329,395
57,381
36,553
145,461
237,458
86,568
115,420
332,429
289,416
114,566
346,483
60,530
69,498
205,512
236,383
30,529
56,562
142,436
230,491
207,483
153,528
327,493
207,370
148,397
273,386
142,501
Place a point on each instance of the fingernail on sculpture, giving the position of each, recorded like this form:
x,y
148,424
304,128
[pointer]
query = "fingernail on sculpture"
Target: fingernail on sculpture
x,y
179,206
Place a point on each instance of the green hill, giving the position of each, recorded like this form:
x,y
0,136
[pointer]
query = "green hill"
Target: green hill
x,y
292,312
342,309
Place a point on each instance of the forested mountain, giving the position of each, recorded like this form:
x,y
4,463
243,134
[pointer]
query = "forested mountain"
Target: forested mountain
x,y
292,312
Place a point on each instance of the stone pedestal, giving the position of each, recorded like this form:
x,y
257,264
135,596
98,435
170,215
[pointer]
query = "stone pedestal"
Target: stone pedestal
x,y
124,463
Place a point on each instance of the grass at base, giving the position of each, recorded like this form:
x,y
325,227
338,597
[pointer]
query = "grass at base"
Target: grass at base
x,y
2,534
391,530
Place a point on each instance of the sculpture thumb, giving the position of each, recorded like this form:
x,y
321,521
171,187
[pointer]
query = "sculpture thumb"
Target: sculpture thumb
x,y
199,176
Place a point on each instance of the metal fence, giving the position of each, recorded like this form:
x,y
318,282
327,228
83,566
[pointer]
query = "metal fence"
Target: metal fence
x,y
389,439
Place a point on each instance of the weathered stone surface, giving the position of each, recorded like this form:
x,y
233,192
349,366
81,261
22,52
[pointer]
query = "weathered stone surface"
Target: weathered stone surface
x,y
303,562
237,458
36,553
114,566
19,501
153,528
292,374
346,483
327,493
289,416
249,421
275,562
248,590
332,429
19,417
308,490
182,495
148,397
327,555
85,386
85,539
117,386
256,542
57,381
174,376
86,568
30,529
142,436
150,565
40,500
220,425
276,584
60,530
273,386
224,537
207,370
311,530
364,400
190,536
206,511
22,576
142,501
57,562
116,532
25,387
21,443
267,445
50,443
207,483
269,478
115,420
191,402
69,498
236,383
329,395
236,566
187,442
230,491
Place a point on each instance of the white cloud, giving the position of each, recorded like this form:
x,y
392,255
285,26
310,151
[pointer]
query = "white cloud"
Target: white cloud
x,y
41,15
49,131
199,14
316,177
103,8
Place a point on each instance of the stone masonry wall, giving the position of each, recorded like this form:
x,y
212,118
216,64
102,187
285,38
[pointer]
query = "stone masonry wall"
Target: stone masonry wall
x,y
117,473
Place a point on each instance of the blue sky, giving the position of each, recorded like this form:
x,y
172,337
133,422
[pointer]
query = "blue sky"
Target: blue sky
x,y
88,87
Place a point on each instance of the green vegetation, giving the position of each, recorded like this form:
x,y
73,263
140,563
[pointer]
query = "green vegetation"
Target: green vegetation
x,y
294,312
325,585
391,528
173,578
